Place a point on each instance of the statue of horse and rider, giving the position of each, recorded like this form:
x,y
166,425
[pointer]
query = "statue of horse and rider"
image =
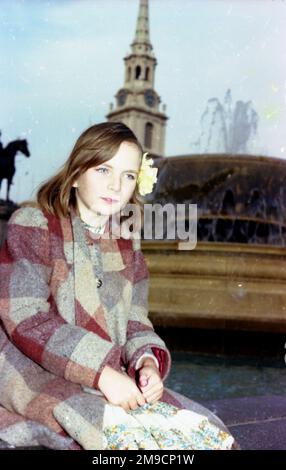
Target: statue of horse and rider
x,y
7,160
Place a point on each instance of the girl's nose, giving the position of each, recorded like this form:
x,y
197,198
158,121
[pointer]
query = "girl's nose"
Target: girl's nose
x,y
115,183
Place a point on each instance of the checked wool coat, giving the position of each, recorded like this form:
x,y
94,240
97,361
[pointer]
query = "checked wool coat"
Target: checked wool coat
x,y
59,329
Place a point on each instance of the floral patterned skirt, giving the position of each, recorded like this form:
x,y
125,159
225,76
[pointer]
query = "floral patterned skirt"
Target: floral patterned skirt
x,y
161,426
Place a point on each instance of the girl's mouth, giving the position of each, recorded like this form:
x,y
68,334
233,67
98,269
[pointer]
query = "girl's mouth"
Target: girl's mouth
x,y
109,200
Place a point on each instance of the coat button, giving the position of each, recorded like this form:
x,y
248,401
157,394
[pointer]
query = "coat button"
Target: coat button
x,y
99,282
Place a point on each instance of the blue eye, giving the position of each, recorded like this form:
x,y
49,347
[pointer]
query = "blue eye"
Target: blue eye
x,y
104,169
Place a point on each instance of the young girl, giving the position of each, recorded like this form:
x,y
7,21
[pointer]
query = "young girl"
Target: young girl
x,y
82,366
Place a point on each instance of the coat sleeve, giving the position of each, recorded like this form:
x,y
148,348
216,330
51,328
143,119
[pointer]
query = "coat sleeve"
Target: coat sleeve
x,y
141,337
29,312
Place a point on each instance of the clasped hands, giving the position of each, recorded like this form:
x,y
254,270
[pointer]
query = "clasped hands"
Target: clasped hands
x,y
150,382
121,390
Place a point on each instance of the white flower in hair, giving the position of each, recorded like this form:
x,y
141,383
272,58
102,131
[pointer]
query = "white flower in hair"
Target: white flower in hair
x,y
147,176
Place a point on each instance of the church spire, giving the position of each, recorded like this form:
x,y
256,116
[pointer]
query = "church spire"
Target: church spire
x,y
138,104
141,43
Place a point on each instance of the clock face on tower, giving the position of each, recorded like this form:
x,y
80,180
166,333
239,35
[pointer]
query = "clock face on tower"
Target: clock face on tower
x,y
149,97
122,95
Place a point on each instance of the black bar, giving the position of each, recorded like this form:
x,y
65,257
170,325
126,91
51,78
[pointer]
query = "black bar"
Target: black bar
x,y
127,459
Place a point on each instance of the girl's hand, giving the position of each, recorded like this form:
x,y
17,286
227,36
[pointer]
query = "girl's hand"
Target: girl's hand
x,y
120,389
150,382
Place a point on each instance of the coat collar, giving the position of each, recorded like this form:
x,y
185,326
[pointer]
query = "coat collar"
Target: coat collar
x,y
110,249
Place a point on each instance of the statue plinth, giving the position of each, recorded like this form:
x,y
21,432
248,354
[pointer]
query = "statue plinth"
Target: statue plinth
x,y
6,210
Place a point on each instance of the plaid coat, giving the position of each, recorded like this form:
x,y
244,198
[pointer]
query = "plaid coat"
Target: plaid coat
x,y
61,330
54,311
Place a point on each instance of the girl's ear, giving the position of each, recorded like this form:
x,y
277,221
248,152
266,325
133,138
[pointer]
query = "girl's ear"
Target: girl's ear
x,y
75,184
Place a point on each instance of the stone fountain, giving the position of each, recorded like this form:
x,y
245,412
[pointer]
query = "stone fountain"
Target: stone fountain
x,y
235,277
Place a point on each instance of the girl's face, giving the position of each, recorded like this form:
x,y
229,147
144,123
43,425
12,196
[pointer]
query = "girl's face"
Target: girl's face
x,y
114,180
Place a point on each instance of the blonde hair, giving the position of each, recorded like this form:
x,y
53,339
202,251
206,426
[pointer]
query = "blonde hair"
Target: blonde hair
x,y
95,145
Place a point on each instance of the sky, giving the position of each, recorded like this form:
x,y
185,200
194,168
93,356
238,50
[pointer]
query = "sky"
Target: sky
x,y
61,63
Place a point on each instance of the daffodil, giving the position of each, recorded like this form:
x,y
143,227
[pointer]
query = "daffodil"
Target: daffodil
x,y
147,176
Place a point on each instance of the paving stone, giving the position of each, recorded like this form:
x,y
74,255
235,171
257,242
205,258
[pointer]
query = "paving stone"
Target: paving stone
x,y
262,435
257,423
248,409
